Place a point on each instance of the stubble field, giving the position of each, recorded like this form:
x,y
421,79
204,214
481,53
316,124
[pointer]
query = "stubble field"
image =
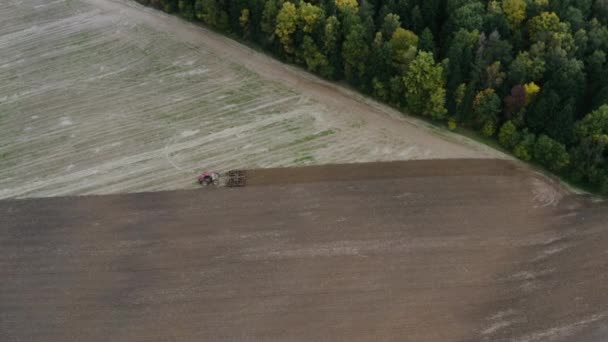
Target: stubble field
x,y
106,96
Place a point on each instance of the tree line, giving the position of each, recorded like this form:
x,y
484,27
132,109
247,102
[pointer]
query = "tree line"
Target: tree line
x,y
533,74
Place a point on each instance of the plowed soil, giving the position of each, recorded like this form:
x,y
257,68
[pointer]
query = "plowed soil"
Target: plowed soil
x,y
440,251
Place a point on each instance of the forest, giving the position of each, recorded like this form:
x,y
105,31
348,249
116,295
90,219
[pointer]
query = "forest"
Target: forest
x,y
531,74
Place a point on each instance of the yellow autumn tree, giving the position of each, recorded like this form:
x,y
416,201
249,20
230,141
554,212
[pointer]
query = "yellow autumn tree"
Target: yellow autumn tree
x,y
286,25
309,16
531,90
403,45
515,11
346,4
546,22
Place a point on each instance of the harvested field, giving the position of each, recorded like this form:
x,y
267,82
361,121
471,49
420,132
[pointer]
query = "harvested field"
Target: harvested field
x,y
474,250
105,96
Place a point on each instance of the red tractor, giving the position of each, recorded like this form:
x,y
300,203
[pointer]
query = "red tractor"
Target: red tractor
x,y
209,178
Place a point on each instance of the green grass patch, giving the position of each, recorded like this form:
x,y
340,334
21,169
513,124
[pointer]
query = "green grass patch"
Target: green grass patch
x,y
80,38
317,135
271,125
314,136
357,124
5,161
306,139
304,159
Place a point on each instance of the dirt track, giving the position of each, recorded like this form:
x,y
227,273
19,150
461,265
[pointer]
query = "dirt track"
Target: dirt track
x,y
416,251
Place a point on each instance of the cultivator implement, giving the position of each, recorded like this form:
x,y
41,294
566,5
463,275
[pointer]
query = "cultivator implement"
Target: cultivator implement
x,y
236,178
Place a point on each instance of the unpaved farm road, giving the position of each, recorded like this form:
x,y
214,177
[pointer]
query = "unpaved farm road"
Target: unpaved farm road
x,y
437,251
107,96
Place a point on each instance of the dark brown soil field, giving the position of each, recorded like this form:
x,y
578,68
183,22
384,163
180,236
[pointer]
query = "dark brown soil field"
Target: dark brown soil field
x,y
440,251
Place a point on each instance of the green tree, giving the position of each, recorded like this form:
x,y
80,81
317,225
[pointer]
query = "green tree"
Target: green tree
x,y
431,11
488,129
508,137
542,110
574,17
403,45
601,10
269,15
560,127
468,17
595,65
314,59
542,25
397,89
493,49
207,11
547,28
287,19
256,10
330,44
589,162
403,39
599,98
523,150
460,93
427,41
381,67
211,13
331,34
244,22
460,68
535,7
598,36
566,76
417,21
551,154
495,20
486,109
349,18
390,24
424,84
595,123
379,89
526,68
169,6
355,52
186,8
590,155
